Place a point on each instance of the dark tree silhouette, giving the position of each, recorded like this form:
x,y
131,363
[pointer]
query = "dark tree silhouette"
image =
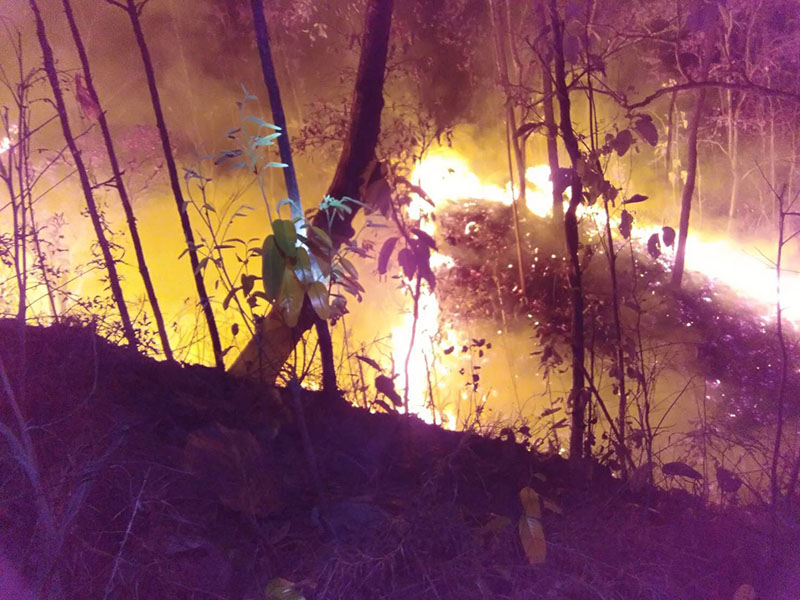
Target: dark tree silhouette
x,y
577,393
133,11
120,185
91,206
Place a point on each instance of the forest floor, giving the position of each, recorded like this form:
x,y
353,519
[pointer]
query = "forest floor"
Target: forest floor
x,y
173,482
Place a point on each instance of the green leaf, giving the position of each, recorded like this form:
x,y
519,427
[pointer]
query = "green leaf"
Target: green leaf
x,y
318,294
272,267
291,299
302,267
321,236
261,122
285,236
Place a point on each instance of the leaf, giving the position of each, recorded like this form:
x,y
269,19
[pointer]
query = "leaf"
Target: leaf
x,y
349,267
622,142
226,155
680,469
272,267
202,264
625,224
235,329
318,294
319,235
668,235
248,281
261,122
385,254
302,267
378,195
495,525
550,411
424,238
282,589
531,534
408,262
635,198
646,129
385,386
745,592
527,129
552,506
369,361
231,293
530,502
285,236
654,246
291,298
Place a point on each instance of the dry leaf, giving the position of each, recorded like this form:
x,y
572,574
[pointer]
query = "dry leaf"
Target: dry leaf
x,y
530,502
531,534
745,592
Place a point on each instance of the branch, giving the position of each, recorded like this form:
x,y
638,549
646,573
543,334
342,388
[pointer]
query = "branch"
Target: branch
x,y
730,85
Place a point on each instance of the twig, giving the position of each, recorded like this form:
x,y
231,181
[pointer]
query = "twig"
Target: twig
x,y
136,506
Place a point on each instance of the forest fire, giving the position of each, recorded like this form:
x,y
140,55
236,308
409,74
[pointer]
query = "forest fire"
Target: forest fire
x,y
750,274
242,242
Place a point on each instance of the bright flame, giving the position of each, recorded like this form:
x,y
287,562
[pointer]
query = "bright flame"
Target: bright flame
x,y
446,175
5,144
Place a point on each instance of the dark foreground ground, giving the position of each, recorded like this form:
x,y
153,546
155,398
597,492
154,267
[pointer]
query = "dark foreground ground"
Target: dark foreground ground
x,y
169,482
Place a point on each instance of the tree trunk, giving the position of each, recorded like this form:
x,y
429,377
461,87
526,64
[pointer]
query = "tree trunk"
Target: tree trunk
x,y
91,206
577,393
688,189
552,140
289,172
513,141
267,352
733,155
120,185
205,303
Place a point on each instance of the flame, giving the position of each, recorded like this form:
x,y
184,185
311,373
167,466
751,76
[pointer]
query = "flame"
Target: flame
x,y
446,175
5,144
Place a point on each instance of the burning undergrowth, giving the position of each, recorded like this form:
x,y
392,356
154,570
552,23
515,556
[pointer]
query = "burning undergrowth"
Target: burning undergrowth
x,y
179,482
723,339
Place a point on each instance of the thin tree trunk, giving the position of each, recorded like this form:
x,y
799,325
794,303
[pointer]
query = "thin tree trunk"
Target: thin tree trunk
x,y
120,185
774,477
577,393
670,127
205,303
289,172
266,353
97,222
688,189
733,154
512,139
552,140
